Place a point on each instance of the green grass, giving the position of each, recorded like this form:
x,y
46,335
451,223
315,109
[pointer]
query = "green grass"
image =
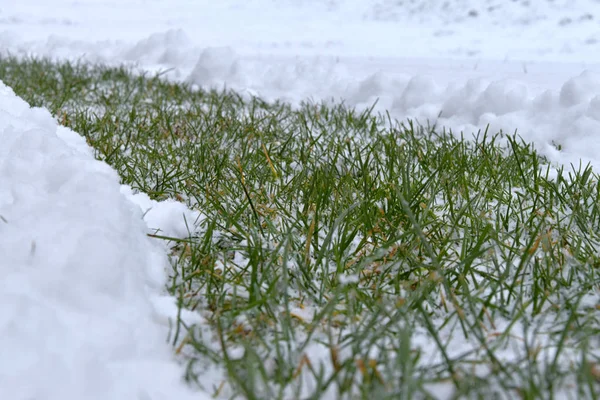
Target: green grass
x,y
344,254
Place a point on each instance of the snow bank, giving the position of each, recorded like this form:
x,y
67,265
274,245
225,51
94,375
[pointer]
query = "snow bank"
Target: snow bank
x,y
564,124
552,107
78,275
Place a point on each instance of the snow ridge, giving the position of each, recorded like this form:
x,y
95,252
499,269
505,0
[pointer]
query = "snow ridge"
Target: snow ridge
x,y
78,275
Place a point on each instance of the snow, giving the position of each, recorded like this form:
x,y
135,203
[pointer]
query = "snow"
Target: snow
x,y
462,64
168,218
83,311
89,284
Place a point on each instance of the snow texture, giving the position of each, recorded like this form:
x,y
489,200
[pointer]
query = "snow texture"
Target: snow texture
x,y
81,283
461,64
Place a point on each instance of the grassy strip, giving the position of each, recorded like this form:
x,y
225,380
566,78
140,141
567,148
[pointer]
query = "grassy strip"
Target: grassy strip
x,y
345,254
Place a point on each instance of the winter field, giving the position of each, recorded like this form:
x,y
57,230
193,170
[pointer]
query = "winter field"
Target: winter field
x,y
299,199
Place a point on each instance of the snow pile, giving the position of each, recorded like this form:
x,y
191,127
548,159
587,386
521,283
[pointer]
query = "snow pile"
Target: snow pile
x,y
563,124
168,218
78,275
163,48
561,118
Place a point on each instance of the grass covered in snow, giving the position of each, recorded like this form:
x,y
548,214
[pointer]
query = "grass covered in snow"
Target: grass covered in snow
x,y
344,254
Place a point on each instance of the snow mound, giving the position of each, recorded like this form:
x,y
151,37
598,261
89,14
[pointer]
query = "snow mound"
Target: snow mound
x,y
560,115
167,48
78,275
215,67
563,124
168,218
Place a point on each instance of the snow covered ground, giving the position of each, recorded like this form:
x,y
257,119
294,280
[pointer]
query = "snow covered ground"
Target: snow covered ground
x,y
463,64
528,66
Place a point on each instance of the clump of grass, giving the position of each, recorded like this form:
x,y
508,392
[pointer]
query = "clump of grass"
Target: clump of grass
x,y
344,254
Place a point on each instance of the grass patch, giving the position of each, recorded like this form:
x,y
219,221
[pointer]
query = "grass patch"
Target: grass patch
x,y
344,254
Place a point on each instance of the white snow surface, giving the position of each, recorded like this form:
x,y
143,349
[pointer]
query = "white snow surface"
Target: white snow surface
x,y
526,66
81,285
83,311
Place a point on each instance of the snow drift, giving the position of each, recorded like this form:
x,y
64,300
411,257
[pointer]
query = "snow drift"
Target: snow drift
x,y
78,275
